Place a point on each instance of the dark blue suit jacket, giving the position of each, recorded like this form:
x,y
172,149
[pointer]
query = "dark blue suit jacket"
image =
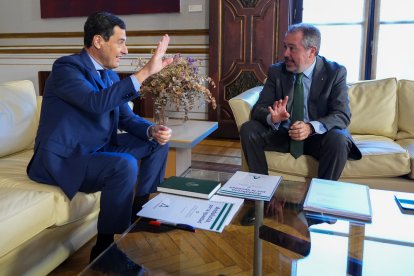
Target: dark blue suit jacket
x,y
79,116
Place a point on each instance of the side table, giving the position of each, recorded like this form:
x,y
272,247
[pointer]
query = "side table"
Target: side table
x,y
185,135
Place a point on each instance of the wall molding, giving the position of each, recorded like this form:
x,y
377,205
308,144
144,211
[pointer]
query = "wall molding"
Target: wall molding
x,y
17,43
189,32
171,50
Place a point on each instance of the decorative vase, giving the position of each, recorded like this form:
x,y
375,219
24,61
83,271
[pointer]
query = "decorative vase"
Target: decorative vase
x,y
160,115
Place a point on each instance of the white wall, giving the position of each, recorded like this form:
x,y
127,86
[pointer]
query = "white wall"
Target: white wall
x,y
23,56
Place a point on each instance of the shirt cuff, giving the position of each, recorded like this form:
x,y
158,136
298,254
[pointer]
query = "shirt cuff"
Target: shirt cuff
x,y
135,82
318,127
274,126
149,132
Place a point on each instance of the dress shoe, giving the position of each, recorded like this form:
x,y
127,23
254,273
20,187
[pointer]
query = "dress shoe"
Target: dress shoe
x,y
249,218
139,201
116,262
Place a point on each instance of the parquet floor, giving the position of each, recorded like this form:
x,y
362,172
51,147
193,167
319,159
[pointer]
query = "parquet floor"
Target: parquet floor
x,y
210,154
202,253
217,155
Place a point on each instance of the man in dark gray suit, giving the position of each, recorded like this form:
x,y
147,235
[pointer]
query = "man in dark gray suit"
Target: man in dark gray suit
x,y
321,131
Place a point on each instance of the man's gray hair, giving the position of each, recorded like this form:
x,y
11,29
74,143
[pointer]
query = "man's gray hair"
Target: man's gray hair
x,y
311,35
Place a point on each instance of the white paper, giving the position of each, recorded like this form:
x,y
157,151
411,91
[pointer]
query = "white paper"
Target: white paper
x,y
198,213
237,203
251,186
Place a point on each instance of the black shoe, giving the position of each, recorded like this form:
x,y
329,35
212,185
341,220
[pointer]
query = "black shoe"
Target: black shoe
x,y
115,262
249,218
139,201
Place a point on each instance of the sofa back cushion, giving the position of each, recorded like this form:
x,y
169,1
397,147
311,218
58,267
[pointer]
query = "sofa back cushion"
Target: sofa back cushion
x,y
374,107
405,109
18,116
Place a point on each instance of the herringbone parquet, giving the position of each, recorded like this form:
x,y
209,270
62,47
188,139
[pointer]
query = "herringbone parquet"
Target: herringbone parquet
x,y
202,253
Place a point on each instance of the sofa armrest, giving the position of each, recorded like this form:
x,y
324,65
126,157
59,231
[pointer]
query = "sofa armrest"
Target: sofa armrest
x,y
242,104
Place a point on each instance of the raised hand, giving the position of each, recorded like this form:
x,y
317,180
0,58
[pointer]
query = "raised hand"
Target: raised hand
x,y
278,112
157,61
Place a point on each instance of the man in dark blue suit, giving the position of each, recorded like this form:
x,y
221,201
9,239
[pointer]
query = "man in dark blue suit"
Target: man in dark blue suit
x,y
78,147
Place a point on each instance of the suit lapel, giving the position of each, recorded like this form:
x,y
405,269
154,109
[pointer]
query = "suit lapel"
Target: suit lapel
x,y
287,82
114,114
318,82
91,68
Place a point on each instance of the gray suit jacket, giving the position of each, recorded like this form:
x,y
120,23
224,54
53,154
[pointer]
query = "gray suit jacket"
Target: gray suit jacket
x,y
328,100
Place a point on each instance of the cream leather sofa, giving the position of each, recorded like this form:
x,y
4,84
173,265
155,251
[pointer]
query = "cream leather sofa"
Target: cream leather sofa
x,y
382,125
39,226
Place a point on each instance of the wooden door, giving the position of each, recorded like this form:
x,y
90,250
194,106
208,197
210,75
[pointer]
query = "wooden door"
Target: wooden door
x,y
246,37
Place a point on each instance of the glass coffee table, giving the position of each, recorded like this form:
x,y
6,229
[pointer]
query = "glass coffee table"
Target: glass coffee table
x,y
290,243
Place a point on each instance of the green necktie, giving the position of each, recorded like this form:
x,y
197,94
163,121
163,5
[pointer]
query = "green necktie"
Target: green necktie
x,y
296,147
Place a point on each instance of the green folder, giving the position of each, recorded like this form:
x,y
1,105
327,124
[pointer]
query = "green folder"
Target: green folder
x,y
200,188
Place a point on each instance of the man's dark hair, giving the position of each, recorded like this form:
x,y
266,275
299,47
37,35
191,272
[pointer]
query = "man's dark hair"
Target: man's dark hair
x,y
311,35
100,23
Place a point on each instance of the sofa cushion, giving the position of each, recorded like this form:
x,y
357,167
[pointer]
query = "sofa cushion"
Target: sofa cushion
x,y
381,157
13,175
242,104
408,144
374,107
23,214
18,122
405,109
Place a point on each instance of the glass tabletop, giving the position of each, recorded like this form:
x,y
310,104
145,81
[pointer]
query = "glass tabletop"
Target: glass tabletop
x,y
290,244
325,245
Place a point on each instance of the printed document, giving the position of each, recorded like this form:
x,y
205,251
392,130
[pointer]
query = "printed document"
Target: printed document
x,y
251,186
198,213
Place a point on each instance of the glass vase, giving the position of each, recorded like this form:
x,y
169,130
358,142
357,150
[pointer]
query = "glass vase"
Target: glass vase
x,y
160,115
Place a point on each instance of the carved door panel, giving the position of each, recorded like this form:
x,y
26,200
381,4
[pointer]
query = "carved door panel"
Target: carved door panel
x,y
246,37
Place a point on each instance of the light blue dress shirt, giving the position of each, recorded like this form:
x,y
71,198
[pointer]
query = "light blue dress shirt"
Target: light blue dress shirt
x,y
98,67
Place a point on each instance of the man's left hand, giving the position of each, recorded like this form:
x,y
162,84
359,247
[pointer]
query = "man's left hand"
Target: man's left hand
x,y
300,130
161,134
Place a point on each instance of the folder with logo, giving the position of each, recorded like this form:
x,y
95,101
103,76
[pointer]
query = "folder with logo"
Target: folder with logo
x,y
251,186
200,188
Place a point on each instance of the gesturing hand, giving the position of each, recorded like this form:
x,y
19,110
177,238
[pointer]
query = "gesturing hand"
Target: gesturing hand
x,y
278,112
157,61
161,134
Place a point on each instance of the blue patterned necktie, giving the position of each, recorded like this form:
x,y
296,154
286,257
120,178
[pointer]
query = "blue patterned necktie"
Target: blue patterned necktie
x,y
296,147
104,77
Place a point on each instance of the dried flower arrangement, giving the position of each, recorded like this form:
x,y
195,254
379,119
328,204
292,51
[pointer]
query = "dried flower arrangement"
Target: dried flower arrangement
x,y
179,84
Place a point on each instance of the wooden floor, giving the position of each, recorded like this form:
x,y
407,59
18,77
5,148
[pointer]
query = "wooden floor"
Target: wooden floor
x,y
210,154
217,155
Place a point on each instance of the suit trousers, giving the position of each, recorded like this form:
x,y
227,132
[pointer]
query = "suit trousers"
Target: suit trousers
x,y
331,149
134,166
